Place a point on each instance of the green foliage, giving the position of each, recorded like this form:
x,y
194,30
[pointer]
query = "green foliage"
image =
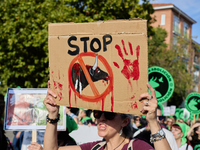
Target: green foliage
x,y
24,41
24,33
95,10
174,60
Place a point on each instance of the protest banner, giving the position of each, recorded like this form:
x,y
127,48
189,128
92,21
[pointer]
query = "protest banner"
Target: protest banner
x,y
25,110
100,65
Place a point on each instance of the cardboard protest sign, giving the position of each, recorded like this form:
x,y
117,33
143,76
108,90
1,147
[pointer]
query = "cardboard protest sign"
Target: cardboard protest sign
x,y
163,83
101,65
192,103
166,111
25,110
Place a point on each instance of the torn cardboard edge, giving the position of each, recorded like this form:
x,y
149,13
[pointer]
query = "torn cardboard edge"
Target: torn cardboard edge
x,y
100,27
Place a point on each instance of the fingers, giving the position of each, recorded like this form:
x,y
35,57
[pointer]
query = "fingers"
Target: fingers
x,y
152,90
35,146
49,84
50,98
149,101
150,108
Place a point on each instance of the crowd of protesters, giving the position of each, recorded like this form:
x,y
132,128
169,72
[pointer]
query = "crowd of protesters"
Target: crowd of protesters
x,y
181,134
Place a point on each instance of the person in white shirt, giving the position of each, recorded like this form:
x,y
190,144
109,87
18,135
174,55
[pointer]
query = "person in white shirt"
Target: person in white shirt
x,y
145,134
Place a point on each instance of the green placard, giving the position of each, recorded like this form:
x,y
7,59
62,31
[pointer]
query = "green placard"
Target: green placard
x,y
177,113
161,108
192,103
197,147
163,83
192,116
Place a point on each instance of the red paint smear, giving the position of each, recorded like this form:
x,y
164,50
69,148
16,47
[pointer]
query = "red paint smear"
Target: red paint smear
x,y
112,101
133,97
60,96
119,51
131,49
52,72
55,85
60,86
138,51
130,69
124,47
103,100
116,64
70,96
134,105
58,74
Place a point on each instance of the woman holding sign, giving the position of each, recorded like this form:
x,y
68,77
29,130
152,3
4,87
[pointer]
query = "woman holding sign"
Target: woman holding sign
x,y
115,128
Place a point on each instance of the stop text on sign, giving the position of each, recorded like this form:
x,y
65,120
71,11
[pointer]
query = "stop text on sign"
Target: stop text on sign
x,y
107,39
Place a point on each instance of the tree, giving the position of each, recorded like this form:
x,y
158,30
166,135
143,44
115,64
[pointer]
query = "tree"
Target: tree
x,y
174,60
94,10
24,33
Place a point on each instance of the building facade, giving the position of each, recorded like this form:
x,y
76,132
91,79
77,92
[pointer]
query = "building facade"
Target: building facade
x,y
177,23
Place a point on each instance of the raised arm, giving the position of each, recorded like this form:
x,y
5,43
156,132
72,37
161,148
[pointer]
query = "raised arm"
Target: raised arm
x,y
50,136
150,109
190,131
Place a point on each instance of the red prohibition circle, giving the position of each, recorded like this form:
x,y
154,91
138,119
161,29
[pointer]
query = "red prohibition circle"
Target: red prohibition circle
x,y
97,97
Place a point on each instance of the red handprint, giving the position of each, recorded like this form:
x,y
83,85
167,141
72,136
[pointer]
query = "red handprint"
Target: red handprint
x,y
130,69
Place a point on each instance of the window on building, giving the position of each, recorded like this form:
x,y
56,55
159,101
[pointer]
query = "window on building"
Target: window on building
x,y
175,40
196,76
162,19
176,24
196,59
185,30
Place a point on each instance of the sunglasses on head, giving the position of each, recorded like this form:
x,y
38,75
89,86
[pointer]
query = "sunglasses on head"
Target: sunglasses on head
x,y
107,115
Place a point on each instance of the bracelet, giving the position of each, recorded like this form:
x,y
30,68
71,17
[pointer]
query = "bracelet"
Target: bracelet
x,y
53,120
156,139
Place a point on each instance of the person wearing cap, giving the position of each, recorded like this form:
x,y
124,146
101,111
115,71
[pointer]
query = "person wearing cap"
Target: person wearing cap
x,y
179,131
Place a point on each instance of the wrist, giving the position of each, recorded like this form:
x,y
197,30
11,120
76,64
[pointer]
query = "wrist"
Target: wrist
x,y
154,126
52,120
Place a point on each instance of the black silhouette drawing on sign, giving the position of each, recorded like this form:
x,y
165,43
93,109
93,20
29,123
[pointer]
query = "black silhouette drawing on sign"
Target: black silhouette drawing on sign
x,y
78,77
159,83
194,103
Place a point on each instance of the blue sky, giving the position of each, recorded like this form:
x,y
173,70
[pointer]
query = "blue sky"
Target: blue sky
x,y
191,8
